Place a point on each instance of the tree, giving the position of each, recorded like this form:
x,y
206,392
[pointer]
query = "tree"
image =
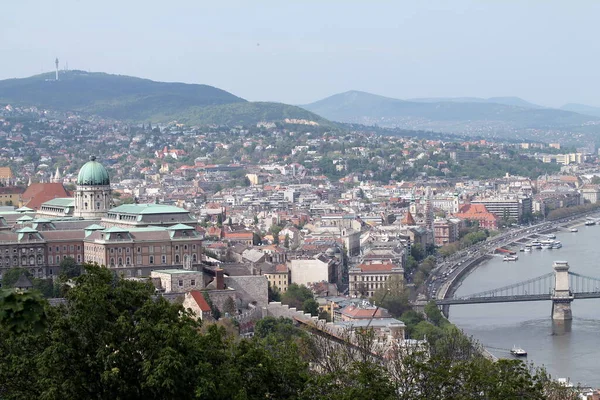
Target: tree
x,y
286,241
69,268
229,306
12,275
392,296
274,294
311,306
296,295
255,220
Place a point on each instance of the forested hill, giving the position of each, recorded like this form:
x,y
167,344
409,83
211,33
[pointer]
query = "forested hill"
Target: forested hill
x,y
485,118
135,99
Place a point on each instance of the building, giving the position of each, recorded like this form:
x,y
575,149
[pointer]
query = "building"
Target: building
x,y
307,271
151,214
479,213
278,277
365,279
590,193
38,193
446,230
178,280
195,301
11,195
515,207
93,194
6,176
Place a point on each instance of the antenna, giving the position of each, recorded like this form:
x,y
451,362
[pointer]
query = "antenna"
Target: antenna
x,y
56,63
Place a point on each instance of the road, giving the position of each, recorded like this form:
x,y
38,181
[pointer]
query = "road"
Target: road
x,y
448,269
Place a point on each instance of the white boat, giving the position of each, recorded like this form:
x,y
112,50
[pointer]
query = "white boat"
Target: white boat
x,y
536,243
590,222
551,236
557,245
510,258
527,247
547,244
519,352
574,230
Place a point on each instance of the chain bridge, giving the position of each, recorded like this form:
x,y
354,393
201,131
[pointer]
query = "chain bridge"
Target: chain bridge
x,y
560,286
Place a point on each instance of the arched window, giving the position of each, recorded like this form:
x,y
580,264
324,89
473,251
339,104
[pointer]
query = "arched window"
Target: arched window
x,y
112,261
176,258
185,247
194,257
120,262
128,261
151,259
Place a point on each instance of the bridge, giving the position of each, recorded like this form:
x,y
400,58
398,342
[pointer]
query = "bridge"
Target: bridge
x,y
560,286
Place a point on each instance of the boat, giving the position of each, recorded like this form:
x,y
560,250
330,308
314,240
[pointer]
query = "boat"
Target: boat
x,y
522,249
510,258
574,230
527,247
536,243
557,245
590,222
551,236
547,244
518,352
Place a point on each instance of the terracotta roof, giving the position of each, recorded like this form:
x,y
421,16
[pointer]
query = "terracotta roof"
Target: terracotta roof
x,y
408,219
11,190
376,267
281,268
200,300
364,313
38,193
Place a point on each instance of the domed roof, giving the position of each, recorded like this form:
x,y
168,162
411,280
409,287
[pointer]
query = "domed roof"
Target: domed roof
x,y
93,174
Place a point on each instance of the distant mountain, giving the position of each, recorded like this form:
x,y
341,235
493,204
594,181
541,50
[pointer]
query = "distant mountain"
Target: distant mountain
x,y
474,118
582,109
135,99
509,101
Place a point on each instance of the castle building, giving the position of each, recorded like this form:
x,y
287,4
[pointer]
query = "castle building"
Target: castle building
x,y
93,195
132,240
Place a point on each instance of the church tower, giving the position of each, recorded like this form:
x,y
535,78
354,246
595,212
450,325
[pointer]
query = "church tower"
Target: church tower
x,y
93,195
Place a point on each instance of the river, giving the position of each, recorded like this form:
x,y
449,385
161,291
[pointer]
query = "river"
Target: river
x,y
569,350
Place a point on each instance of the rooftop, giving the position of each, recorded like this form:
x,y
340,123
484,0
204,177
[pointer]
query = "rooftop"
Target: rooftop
x,y
150,208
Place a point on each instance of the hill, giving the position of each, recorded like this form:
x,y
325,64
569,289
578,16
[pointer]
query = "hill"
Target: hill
x,y
582,109
473,118
140,100
508,101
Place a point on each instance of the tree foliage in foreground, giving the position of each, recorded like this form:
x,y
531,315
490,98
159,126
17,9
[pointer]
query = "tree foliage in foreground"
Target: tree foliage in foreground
x,y
114,340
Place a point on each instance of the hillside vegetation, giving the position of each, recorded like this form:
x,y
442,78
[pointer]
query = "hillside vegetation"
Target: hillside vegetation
x,y
477,117
141,100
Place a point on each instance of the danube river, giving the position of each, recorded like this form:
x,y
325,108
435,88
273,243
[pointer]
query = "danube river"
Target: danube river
x,y
566,351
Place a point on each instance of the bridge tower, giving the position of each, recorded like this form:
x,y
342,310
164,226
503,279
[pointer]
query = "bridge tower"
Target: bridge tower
x,y
562,296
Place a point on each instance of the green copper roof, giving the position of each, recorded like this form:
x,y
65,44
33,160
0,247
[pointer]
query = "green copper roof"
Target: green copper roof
x,y
180,227
94,227
93,174
27,230
150,208
60,202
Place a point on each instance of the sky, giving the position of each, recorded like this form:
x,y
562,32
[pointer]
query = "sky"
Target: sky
x,y
299,51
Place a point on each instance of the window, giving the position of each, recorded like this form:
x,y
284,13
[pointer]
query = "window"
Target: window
x,y
112,251
151,249
128,261
72,248
120,250
151,260
176,258
185,247
120,262
194,258
49,249
176,248
78,248
181,283
64,248
164,259
112,261
127,250
139,250
193,247
193,282
57,249
50,271
78,258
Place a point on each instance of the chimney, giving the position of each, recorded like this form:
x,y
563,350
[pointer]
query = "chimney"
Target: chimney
x,y
219,279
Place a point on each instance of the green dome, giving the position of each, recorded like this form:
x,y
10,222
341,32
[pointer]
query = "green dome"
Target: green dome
x,y
93,174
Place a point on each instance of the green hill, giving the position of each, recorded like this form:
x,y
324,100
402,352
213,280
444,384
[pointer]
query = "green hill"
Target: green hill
x,y
582,109
139,100
489,118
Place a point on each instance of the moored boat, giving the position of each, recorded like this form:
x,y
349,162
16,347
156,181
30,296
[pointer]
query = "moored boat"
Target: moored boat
x,y
574,230
510,258
557,245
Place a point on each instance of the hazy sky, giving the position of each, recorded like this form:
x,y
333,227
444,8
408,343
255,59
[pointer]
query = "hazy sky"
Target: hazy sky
x,y
300,51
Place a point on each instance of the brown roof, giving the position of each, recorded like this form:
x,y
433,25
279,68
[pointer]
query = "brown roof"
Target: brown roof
x,y
281,268
11,190
364,313
376,267
63,235
38,193
200,300
408,219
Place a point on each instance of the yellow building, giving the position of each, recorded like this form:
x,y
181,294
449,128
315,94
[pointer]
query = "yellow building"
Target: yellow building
x,y
11,196
6,176
279,277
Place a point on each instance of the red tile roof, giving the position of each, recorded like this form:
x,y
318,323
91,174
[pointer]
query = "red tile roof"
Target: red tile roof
x,y
376,267
200,300
38,193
